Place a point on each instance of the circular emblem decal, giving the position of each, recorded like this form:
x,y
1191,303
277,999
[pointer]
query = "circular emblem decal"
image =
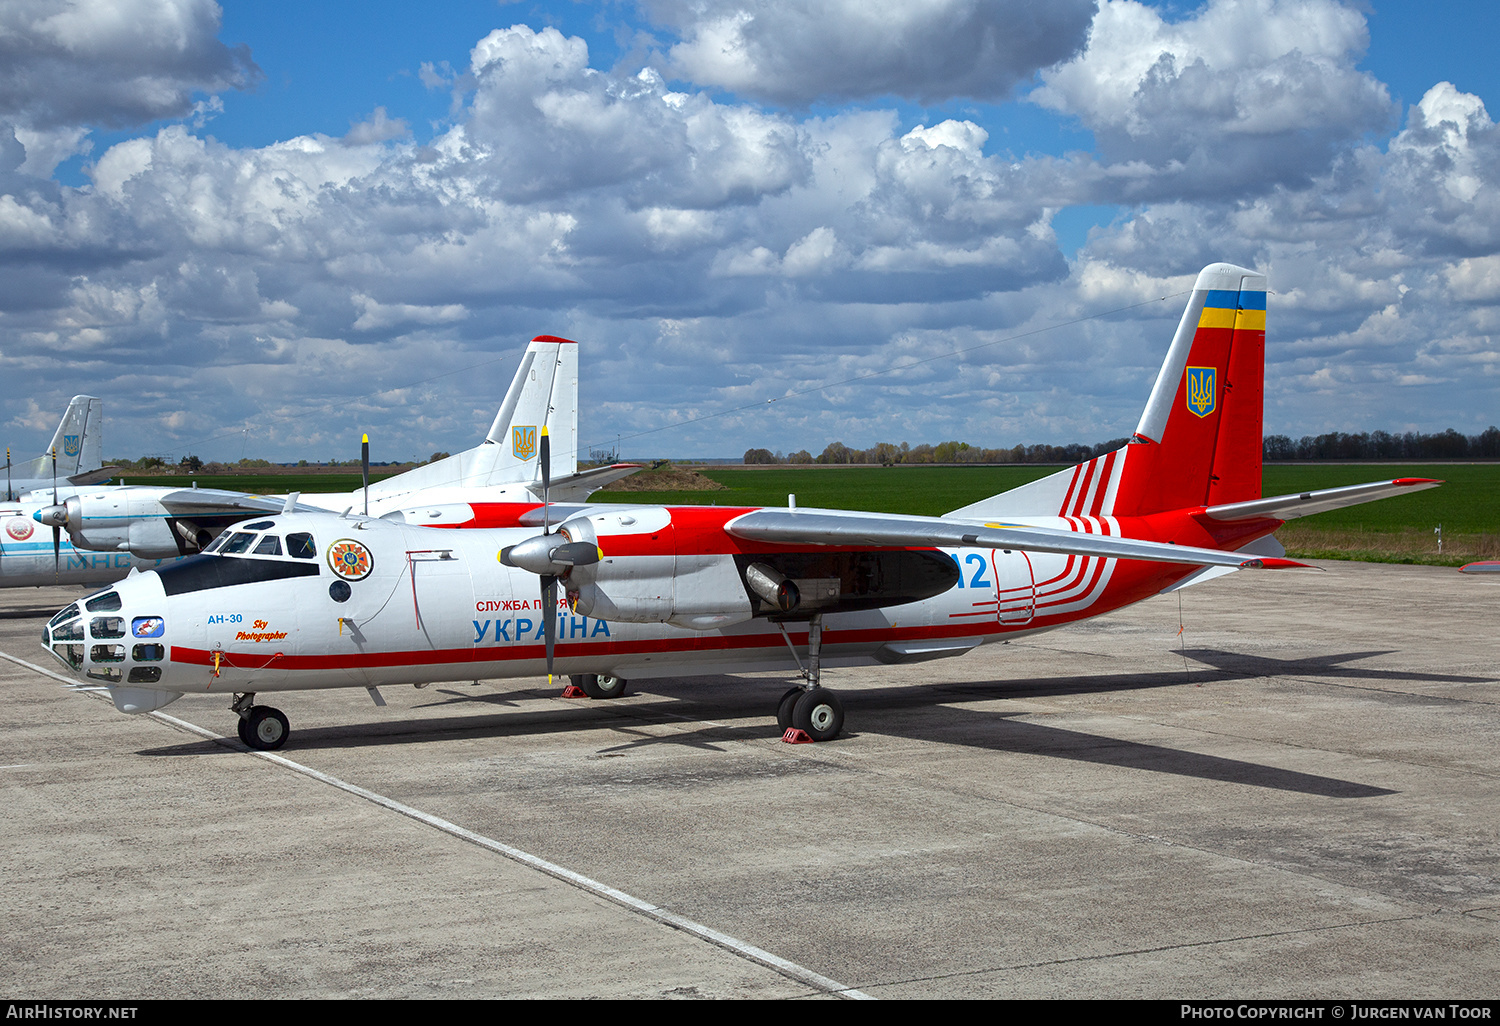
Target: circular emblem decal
x,y
350,560
19,528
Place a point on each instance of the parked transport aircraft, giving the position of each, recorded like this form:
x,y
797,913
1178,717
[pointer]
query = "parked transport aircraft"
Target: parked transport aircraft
x,y
114,529
303,600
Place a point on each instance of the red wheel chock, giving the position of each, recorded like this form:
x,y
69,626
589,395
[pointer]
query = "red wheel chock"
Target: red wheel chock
x,y
793,736
574,691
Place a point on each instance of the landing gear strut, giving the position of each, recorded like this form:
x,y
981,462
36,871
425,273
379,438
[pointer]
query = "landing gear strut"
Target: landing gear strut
x,y
810,707
260,727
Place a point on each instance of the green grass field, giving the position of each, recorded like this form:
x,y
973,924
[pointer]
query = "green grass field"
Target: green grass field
x,y
1392,530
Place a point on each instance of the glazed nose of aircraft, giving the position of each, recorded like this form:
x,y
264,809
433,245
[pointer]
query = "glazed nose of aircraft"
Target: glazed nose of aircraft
x,y
116,636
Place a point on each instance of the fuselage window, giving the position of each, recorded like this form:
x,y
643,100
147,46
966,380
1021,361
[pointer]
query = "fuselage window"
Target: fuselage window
x,y
300,546
238,542
68,631
270,545
107,627
145,674
148,653
107,654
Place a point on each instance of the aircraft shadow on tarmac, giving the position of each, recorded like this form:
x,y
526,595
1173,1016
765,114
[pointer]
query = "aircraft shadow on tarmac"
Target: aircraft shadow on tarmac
x,y
900,711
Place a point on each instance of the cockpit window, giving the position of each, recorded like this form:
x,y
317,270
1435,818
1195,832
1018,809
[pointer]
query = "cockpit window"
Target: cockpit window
x,y
238,542
301,546
63,614
109,602
214,545
202,572
270,545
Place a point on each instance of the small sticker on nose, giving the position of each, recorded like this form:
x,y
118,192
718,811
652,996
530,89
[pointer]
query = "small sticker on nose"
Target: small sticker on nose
x,y
147,626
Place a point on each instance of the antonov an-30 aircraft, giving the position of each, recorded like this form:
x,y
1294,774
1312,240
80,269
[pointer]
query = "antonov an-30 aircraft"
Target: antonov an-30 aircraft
x,y
301,600
112,530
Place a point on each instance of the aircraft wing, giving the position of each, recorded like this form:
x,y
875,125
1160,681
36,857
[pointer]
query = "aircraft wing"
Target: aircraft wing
x,y
830,527
1289,507
211,502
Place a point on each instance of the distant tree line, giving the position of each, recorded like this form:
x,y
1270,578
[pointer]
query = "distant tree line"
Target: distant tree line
x,y
1336,445
890,454
1382,445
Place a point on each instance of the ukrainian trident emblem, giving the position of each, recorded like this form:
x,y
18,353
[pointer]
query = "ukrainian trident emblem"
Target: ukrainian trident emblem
x,y
523,442
1200,390
72,444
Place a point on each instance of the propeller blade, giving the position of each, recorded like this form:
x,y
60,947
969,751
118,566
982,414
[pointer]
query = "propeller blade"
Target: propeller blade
x,y
56,531
549,618
364,460
546,458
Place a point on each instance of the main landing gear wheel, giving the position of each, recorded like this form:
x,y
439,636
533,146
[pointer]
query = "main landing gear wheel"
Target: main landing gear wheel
x,y
785,706
602,685
265,729
820,713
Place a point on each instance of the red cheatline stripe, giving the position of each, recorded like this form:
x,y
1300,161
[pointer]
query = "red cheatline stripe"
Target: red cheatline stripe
x,y
1068,498
1104,483
517,653
1083,491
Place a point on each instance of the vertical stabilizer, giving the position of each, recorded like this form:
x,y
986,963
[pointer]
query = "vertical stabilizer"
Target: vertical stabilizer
x,y
543,392
1199,440
78,441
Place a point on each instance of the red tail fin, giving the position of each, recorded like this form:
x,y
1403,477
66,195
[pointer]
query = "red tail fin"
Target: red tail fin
x,y
1199,441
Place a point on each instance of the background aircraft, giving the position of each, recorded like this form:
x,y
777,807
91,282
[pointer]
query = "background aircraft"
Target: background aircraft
x,y
112,530
307,600
75,457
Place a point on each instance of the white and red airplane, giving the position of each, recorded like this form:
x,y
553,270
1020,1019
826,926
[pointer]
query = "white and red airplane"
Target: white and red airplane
x,y
306,600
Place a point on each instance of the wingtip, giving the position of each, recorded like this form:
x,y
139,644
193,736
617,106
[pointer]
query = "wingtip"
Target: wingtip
x,y
1276,563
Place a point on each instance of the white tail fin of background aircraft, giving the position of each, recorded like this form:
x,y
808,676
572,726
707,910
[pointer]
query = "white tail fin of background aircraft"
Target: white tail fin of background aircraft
x,y
79,442
543,392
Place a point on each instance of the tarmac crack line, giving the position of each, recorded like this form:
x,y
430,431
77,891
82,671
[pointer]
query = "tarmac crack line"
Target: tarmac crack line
x,y
1129,952
657,913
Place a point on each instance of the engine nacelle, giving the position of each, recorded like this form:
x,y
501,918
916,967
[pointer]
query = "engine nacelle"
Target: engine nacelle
x,y
125,521
644,576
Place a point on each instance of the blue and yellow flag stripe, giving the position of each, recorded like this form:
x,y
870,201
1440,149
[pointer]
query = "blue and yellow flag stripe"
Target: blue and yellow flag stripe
x,y
1242,311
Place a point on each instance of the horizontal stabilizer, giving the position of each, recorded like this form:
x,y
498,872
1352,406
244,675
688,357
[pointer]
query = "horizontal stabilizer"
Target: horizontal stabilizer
x,y
1289,507
89,477
579,486
855,530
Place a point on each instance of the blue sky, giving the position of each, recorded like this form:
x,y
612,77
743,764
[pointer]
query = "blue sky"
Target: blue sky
x,y
294,225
